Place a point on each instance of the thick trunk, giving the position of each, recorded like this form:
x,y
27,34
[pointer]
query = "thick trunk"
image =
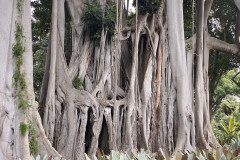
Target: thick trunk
x,y
14,144
50,100
205,137
180,75
138,90
122,101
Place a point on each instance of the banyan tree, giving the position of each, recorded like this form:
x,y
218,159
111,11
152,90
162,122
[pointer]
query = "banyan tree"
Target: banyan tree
x,y
129,82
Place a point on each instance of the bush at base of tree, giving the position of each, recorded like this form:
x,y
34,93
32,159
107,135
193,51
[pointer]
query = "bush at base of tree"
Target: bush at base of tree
x,y
226,122
231,151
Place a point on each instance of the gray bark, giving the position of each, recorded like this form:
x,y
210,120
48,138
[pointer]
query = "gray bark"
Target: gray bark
x,y
180,74
139,97
14,145
121,103
205,137
237,3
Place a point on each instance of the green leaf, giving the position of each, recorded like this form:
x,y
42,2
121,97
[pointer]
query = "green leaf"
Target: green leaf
x,y
23,128
224,127
86,156
45,157
38,157
231,123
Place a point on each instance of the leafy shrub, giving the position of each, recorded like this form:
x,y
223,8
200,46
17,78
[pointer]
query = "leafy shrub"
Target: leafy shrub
x,y
109,18
148,6
93,15
226,87
226,122
96,18
229,105
228,131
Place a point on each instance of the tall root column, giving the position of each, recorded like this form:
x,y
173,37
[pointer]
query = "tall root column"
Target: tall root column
x,y
121,103
205,137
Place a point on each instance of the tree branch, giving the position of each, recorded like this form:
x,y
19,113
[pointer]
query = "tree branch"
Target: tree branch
x,y
214,43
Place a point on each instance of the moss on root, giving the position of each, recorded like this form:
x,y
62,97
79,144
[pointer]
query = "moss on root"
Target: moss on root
x,y
33,143
23,128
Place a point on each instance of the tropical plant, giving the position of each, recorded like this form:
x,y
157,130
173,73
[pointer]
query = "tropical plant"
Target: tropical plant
x,y
46,157
126,155
227,152
227,131
225,89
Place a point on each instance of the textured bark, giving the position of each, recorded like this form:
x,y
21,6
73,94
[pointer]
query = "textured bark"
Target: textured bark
x,y
137,97
50,97
13,145
205,137
237,3
180,75
122,104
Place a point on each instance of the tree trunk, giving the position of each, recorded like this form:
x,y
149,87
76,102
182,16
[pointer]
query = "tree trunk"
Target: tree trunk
x,y
13,144
17,100
123,101
205,137
138,88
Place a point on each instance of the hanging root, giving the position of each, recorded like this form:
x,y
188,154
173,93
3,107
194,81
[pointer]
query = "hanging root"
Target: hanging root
x,y
44,143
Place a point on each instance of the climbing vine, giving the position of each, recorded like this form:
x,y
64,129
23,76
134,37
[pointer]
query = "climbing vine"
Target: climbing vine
x,y
33,143
19,80
18,50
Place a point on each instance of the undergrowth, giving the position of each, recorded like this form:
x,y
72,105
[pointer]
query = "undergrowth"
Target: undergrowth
x,y
227,152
